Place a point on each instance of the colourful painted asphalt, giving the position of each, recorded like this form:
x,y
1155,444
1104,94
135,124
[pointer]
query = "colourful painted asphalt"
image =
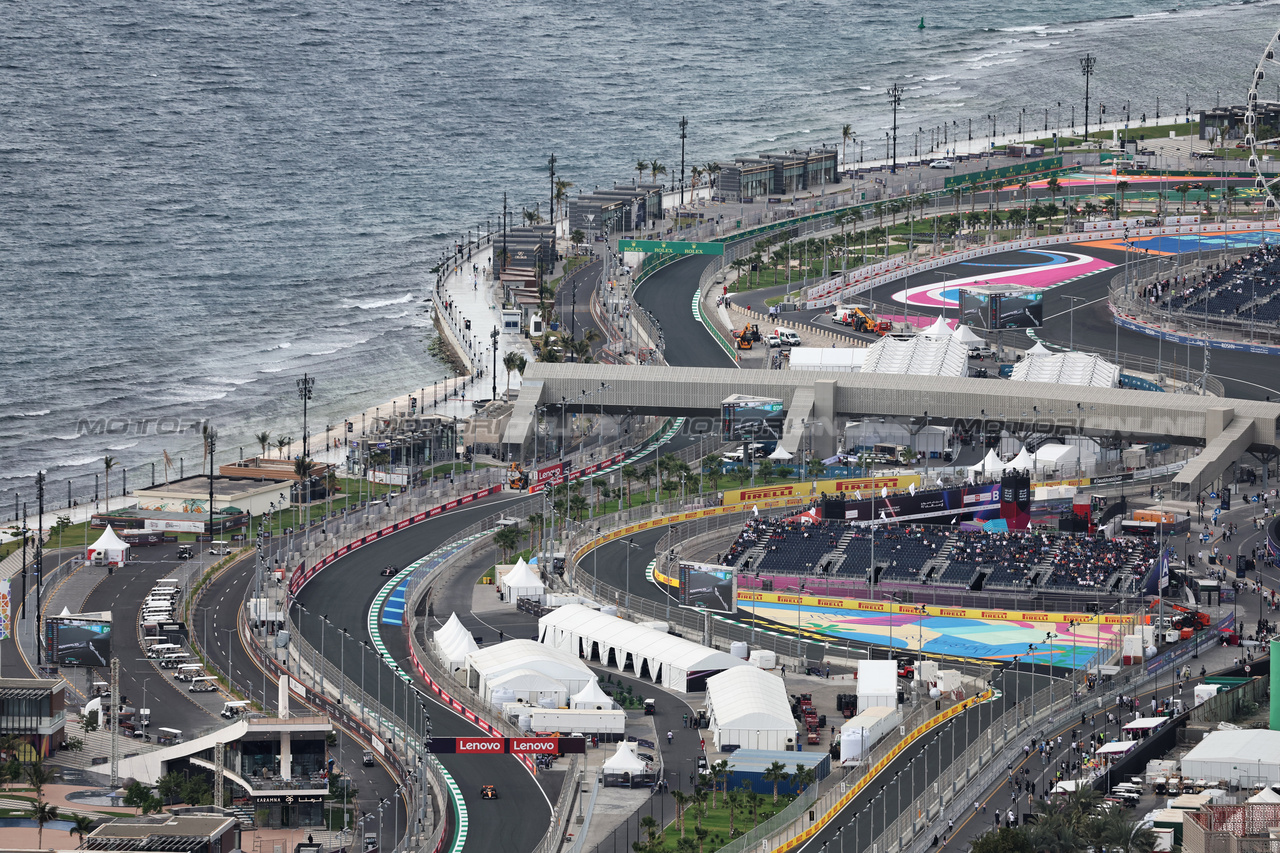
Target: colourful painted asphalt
x,y
1051,269
946,635
1175,244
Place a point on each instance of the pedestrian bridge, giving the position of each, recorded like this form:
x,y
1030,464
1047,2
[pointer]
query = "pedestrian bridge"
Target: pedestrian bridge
x,y
819,403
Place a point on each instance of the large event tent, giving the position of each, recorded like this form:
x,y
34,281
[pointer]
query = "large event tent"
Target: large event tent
x,y
486,666
591,698
673,662
749,708
1245,756
1067,368
110,549
453,643
919,356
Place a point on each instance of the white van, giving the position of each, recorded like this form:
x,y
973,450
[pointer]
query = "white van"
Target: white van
x,y
788,337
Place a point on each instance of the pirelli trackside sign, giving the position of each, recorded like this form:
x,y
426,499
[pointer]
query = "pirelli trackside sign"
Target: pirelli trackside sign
x,y
509,745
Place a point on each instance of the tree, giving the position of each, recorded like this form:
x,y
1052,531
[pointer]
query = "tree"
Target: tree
x,y
578,506
712,170
74,744
561,193
1049,211
577,237
734,800
816,468
642,166
804,777
1229,195
511,362
1054,187
711,468
656,169
1182,190
647,473
170,786
630,474
846,135
136,794
1121,186
38,775
90,721
108,462
601,485
682,800
42,813
1006,839
263,438
281,443
775,773
81,825
695,175
508,539
719,774
1017,218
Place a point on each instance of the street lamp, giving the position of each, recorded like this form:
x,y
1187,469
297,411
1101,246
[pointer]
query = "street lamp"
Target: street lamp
x,y
306,385
1072,315
630,545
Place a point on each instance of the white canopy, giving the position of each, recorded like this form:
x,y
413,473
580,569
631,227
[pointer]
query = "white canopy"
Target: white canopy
x,y
674,662
1038,349
1118,746
990,464
1067,368
453,643
528,685
591,698
521,582
1268,794
939,329
830,359
780,453
966,336
1241,755
625,760
749,707
488,665
918,356
110,548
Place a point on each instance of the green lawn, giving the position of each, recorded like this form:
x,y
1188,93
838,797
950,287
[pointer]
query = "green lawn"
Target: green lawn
x,y
716,822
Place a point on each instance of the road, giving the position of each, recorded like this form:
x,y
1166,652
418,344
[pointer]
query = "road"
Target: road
x,y
343,593
668,295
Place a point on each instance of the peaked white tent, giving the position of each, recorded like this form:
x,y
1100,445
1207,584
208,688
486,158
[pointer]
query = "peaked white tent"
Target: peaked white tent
x,y
938,329
1024,461
780,453
919,356
1067,368
625,760
521,582
591,698
110,549
966,336
453,643
1039,349
990,464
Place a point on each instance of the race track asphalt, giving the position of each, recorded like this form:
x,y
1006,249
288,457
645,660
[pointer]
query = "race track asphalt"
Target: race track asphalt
x,y
668,295
344,592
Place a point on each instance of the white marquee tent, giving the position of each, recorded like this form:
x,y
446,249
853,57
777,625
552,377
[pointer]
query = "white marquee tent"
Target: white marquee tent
x,y
877,684
530,686
674,662
966,336
939,329
918,356
487,665
830,359
1024,461
1038,349
749,707
522,582
453,643
1068,368
591,698
624,760
990,464
109,549
1244,756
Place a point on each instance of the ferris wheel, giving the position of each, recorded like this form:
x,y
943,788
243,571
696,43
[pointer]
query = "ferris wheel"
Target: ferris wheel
x,y
1268,182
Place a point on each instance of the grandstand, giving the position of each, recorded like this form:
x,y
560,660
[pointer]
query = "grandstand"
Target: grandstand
x,y
1014,561
1248,288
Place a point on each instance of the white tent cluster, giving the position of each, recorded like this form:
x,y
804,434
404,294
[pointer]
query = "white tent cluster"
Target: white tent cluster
x,y
1048,458
522,582
1067,368
453,643
522,670
918,356
828,359
575,631
749,708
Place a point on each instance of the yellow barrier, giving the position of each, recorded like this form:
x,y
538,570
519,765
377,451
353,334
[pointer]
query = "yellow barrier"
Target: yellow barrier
x,y
809,489
871,774
924,609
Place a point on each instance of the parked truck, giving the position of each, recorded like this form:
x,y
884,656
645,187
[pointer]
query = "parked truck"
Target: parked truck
x,y
578,720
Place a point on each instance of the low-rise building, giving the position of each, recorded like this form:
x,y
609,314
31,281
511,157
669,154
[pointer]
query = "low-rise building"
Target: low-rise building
x,y
34,711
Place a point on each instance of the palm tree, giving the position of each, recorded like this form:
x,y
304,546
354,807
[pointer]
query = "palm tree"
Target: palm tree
x,y
647,473
281,443
511,362
535,524
1022,188
682,800
630,474
775,773
1054,187
846,134
42,813
108,462
263,438
804,777
508,539
302,470
82,825
577,238
642,166
695,175
719,774
1229,195
732,799
1121,186
711,170
1180,189
656,169
561,193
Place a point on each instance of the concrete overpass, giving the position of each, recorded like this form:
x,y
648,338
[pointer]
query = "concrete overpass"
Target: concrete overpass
x,y
819,403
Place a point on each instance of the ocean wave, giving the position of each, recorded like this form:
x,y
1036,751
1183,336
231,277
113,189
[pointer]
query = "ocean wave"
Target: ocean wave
x,y
382,303
271,370
120,447
38,413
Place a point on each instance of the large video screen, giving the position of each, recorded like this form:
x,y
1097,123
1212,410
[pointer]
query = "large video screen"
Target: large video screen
x,y
1001,310
754,419
74,641
707,586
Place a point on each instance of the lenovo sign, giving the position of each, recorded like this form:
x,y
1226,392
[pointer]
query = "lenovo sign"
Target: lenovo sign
x,y
512,745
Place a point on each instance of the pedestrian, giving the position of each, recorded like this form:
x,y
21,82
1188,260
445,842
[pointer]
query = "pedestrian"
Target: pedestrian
x,y
686,721
670,735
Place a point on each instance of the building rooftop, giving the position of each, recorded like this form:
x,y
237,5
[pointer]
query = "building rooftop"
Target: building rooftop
x,y
158,832
222,486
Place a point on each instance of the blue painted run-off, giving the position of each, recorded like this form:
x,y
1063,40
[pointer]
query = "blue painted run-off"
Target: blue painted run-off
x,y
393,610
